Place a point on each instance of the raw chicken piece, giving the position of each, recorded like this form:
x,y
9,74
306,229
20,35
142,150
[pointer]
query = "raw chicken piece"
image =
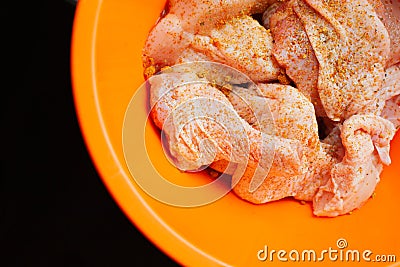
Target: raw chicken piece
x,y
391,19
169,44
330,153
200,16
293,118
389,12
231,45
164,44
352,46
268,136
293,51
291,114
359,169
190,112
390,89
366,139
273,187
391,111
318,173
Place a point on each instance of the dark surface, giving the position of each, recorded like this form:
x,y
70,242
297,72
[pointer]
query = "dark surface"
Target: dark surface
x,y
55,211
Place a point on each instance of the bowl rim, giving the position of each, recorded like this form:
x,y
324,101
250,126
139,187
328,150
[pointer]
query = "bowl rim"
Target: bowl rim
x,y
102,153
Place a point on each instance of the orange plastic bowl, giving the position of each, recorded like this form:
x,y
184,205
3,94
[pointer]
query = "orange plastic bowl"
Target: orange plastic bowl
x,y
107,43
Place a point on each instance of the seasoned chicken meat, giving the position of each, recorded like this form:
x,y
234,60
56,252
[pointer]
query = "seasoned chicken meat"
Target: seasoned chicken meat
x,y
389,12
191,112
293,51
309,110
352,46
366,139
201,16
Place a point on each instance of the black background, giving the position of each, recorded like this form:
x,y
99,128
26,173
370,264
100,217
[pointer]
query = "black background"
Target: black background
x,y
55,211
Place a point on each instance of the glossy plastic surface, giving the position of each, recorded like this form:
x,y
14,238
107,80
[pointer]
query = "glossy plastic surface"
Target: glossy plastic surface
x,y
106,64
